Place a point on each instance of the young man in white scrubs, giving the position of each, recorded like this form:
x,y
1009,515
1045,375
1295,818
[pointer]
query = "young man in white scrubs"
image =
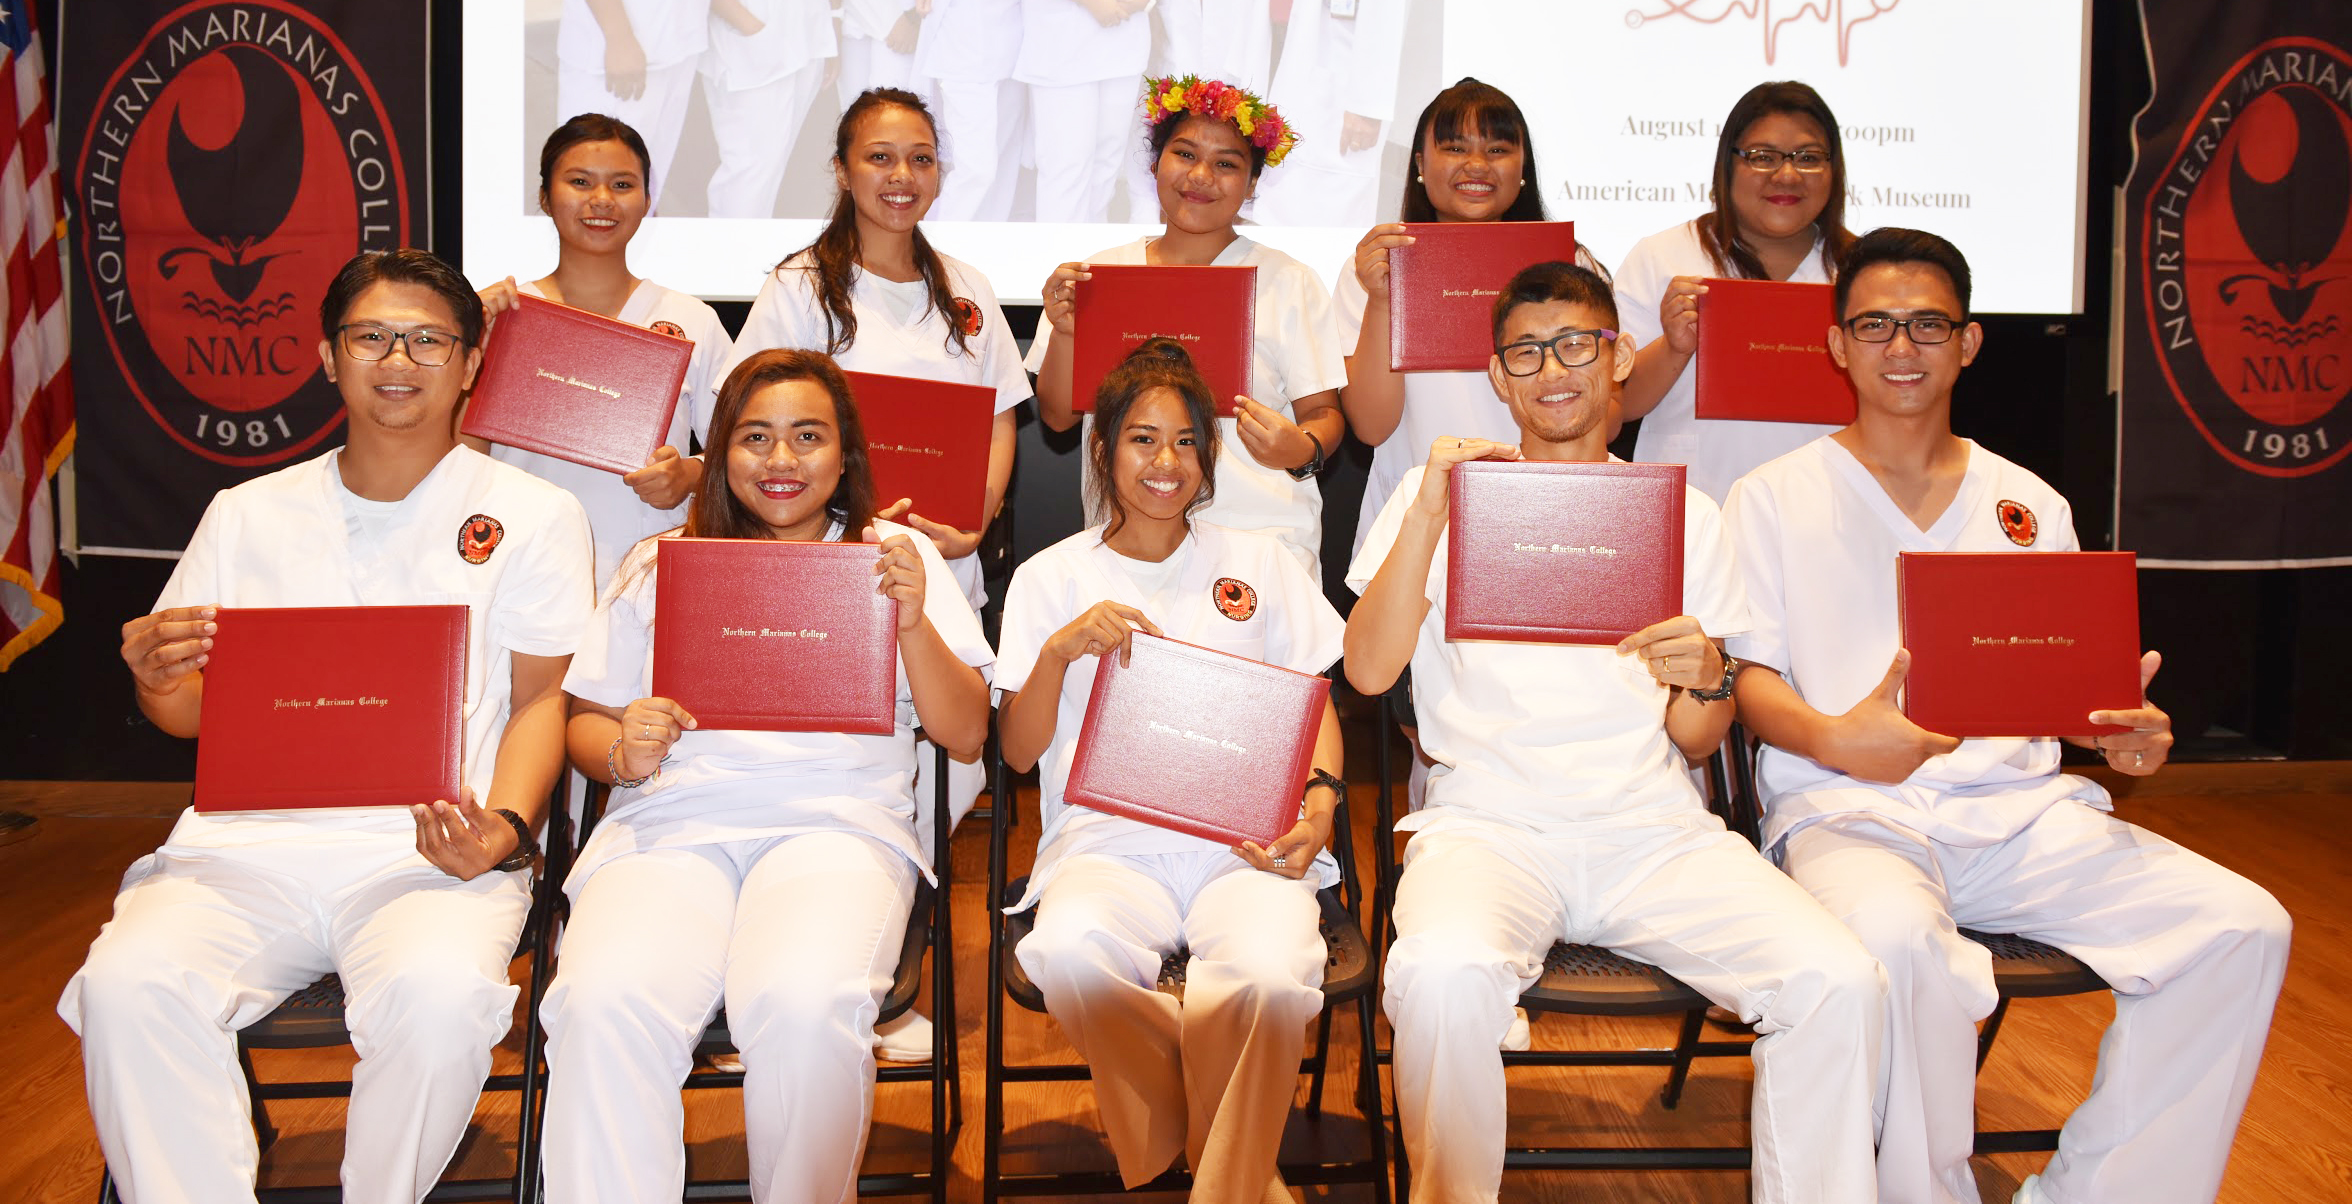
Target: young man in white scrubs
x,y
417,908
1908,835
1561,808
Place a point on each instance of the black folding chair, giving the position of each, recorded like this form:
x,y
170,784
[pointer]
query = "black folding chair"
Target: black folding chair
x,y
1351,976
928,930
313,1018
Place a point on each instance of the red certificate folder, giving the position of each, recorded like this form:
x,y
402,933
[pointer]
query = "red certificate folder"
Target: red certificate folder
x,y
1198,741
1764,354
1211,310
1563,553
334,706
928,440
1442,288
2019,643
775,636
571,384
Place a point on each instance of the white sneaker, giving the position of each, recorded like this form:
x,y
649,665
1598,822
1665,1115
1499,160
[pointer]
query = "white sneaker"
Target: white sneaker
x,y
1520,1035
2027,1193
904,1039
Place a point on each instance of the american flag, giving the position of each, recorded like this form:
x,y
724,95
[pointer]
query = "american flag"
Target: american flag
x,y
38,402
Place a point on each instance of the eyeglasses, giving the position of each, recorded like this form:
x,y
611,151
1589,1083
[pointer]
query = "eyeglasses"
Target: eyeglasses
x,y
1878,328
1767,160
1573,348
369,342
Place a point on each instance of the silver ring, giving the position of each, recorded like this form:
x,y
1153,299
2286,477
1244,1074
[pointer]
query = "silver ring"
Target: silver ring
x,y
649,731
1281,861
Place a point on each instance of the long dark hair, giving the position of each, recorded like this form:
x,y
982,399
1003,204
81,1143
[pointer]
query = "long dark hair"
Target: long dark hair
x,y
1719,229
717,513
1473,106
1156,363
591,127
836,251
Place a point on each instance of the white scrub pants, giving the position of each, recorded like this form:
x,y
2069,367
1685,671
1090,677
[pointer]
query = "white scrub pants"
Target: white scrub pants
x,y
982,126
658,114
2195,954
755,129
871,63
1211,1078
798,935
1480,906
1086,133
201,946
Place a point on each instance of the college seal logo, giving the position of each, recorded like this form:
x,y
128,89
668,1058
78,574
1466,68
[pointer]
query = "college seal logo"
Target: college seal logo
x,y
967,316
669,328
237,157
2017,522
2247,260
1235,599
478,536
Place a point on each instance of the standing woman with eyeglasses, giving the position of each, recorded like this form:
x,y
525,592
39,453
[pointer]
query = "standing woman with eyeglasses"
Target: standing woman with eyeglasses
x,y
595,184
1780,210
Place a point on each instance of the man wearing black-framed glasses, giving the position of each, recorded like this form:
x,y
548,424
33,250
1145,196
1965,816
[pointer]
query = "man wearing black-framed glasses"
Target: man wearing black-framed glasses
x,y
1909,835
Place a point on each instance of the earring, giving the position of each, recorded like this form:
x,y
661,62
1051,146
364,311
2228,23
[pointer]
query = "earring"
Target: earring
x,y
1417,178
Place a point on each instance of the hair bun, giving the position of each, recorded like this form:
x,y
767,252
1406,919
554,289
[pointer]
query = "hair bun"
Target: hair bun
x,y
1160,347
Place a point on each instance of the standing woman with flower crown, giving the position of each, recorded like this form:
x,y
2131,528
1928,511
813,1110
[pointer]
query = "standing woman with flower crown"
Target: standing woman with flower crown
x,y
594,184
872,293
1780,214
1209,142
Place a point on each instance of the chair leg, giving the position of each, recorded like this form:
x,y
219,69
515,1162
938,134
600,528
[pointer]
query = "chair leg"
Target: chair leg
x,y
106,1192
1322,1060
1368,1095
1685,1048
1992,1029
265,1134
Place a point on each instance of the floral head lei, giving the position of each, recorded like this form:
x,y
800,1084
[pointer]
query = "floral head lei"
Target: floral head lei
x,y
1259,122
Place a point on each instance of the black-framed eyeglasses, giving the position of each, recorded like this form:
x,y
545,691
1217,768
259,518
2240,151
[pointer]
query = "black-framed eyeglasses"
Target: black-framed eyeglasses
x,y
368,342
1879,328
1573,348
1768,159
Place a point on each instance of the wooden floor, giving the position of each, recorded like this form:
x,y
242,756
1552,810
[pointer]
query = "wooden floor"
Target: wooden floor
x,y
2288,827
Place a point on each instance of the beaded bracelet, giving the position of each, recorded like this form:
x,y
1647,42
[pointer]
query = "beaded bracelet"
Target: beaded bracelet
x,y
612,765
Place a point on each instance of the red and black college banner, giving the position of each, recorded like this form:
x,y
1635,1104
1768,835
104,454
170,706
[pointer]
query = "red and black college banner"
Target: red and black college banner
x,y
222,161
2236,313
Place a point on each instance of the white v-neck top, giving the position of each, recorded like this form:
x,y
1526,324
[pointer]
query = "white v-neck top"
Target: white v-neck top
x,y
1818,538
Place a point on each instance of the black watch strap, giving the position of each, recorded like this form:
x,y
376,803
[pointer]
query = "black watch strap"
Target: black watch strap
x,y
1314,463
1731,668
526,845
1324,777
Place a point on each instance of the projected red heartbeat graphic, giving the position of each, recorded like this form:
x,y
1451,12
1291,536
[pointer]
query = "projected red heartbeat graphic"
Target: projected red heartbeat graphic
x,y
1827,12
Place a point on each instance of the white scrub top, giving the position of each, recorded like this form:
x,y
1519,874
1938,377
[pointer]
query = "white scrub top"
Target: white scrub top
x,y
1292,626
1717,451
793,34
670,31
719,786
296,538
1297,351
617,517
1062,44
1818,539
1554,739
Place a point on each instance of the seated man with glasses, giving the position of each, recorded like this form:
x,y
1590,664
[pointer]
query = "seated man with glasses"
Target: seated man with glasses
x,y
1561,808
419,908
1908,835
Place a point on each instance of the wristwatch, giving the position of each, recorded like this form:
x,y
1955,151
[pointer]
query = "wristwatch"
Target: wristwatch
x,y
1731,668
526,846
1314,463
1324,777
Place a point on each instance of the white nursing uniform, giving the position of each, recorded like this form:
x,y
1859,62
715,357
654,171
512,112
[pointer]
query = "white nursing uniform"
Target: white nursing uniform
x,y
1560,810
968,48
1231,41
236,911
758,88
1085,88
1333,66
1993,837
1213,1077
867,61
617,517
698,889
1718,451
898,334
1297,351
673,35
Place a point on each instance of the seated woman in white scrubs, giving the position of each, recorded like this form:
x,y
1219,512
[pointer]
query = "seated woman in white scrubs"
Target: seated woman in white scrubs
x,y
1780,214
593,183
771,872
1205,167
1210,1078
